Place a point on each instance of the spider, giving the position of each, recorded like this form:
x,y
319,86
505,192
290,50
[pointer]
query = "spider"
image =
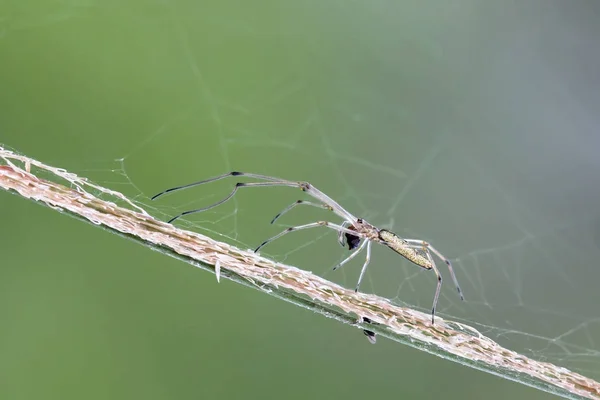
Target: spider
x,y
355,233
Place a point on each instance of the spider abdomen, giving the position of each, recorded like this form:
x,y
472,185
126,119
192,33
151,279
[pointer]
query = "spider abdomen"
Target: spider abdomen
x,y
400,246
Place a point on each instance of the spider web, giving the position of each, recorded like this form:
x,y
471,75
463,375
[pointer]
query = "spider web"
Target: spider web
x,y
463,137
529,283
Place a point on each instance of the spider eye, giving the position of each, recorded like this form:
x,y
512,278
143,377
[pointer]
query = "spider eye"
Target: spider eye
x,y
352,241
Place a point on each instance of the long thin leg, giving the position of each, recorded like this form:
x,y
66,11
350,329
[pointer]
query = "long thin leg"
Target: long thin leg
x,y
438,287
272,181
297,203
351,256
307,226
218,203
218,178
416,243
452,274
365,265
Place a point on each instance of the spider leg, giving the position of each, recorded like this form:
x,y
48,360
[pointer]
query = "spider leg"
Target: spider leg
x,y
277,181
452,274
297,203
342,236
415,243
365,265
307,226
271,181
438,287
229,196
352,255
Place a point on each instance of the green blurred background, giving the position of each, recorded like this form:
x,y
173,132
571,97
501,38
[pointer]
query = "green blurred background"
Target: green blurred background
x,y
472,124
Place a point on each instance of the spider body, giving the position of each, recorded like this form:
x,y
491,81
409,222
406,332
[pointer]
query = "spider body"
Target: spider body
x,y
355,233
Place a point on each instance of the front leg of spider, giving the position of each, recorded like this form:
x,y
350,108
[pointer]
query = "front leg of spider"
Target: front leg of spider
x,y
317,224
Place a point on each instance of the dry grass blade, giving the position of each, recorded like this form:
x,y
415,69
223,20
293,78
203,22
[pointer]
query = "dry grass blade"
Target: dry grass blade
x,y
446,339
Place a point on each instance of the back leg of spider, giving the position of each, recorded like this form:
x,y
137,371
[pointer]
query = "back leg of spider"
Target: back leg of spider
x,y
301,227
416,243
